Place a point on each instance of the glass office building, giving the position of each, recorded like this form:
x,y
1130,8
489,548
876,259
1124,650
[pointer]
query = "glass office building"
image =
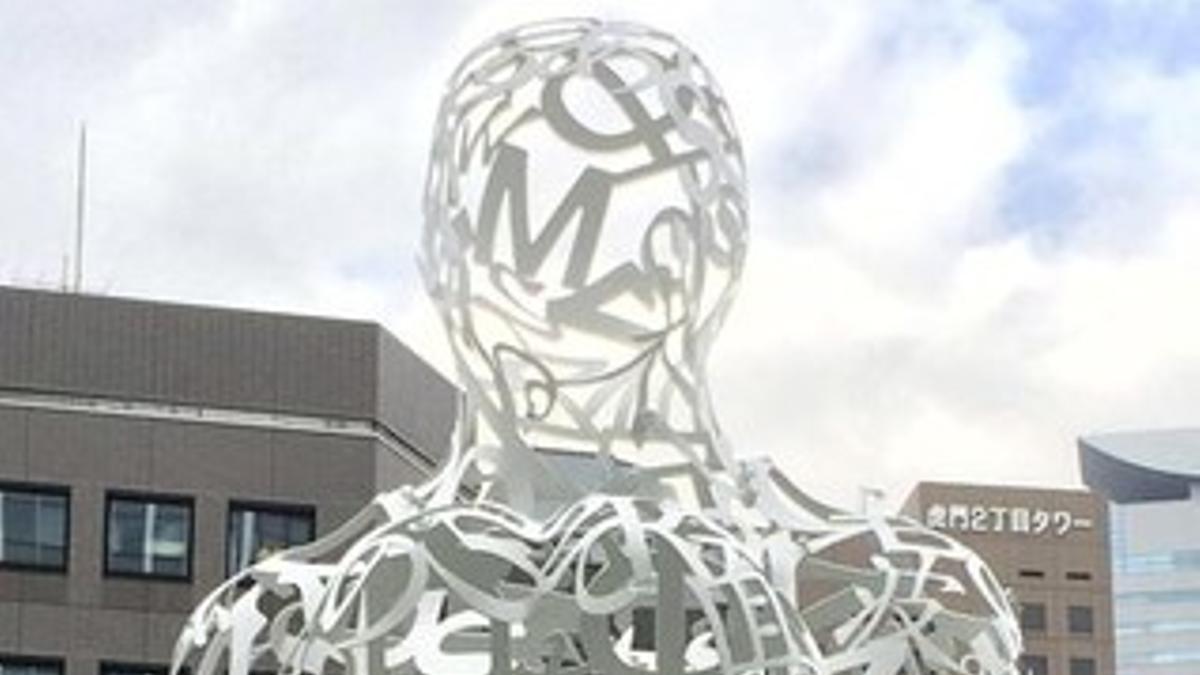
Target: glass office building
x,y
1152,481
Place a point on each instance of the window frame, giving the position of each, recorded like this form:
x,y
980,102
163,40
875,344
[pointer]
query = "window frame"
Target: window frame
x,y
56,490
279,508
157,497
57,662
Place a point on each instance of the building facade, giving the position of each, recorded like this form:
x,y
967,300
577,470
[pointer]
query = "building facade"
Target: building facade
x,y
1152,480
1050,547
149,450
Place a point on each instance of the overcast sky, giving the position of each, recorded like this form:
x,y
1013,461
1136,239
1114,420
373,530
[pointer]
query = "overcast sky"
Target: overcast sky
x,y
975,225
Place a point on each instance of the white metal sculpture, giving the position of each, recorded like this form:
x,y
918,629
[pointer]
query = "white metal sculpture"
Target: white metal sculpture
x,y
585,229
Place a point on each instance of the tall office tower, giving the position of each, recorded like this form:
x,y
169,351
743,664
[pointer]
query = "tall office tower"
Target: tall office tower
x,y
149,450
1050,548
1152,481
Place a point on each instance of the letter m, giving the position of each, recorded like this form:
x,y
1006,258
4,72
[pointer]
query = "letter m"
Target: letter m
x,y
508,181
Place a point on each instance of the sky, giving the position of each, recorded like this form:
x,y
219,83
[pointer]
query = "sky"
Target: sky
x,y
975,226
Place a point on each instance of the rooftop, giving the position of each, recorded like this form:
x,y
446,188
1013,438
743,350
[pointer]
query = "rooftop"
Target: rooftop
x,y
1135,466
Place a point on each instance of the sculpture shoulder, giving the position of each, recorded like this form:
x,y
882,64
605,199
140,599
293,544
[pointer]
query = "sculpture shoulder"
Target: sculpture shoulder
x,y
913,581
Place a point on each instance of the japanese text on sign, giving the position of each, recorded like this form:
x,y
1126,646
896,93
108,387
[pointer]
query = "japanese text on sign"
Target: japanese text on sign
x,y
1012,519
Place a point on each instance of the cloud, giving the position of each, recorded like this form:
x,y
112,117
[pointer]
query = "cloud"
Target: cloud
x,y
973,226
932,329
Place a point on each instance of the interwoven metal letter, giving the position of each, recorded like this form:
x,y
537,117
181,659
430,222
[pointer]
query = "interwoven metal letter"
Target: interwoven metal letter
x,y
585,230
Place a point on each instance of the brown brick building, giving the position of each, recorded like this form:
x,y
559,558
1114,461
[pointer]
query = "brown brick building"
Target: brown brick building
x,y
149,449
1051,548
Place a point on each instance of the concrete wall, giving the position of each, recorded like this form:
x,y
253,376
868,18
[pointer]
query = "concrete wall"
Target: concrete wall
x,y
131,349
412,399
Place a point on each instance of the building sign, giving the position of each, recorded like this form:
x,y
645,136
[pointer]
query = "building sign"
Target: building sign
x,y
1010,519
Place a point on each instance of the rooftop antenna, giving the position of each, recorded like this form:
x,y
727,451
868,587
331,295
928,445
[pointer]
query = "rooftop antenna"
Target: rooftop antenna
x,y
866,495
80,203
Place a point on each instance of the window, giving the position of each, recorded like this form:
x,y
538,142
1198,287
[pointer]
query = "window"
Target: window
x,y
1079,619
1031,574
1034,664
111,668
149,536
1033,617
24,665
1079,576
1174,596
1158,563
1082,666
643,629
33,527
256,530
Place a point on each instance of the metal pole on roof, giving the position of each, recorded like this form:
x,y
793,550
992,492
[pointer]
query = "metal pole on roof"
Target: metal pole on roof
x,y
80,205
867,494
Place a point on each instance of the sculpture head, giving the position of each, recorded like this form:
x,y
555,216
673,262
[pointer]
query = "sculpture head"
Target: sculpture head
x,y
585,228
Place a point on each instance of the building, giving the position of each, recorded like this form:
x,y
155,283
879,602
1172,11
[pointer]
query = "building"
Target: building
x,y
148,450
1050,547
1152,481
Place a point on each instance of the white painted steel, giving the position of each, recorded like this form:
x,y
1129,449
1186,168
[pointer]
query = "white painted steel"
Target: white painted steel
x,y
585,230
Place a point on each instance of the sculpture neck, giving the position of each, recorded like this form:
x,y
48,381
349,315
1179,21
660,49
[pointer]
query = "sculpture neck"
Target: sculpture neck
x,y
657,400
650,431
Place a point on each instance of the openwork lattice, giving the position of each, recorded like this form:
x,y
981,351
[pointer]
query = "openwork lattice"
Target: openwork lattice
x,y
585,230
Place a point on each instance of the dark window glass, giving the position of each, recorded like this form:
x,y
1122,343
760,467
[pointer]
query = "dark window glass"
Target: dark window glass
x,y
1033,616
1082,666
33,527
24,666
1031,574
643,629
1079,619
1079,576
150,536
1034,664
109,668
257,531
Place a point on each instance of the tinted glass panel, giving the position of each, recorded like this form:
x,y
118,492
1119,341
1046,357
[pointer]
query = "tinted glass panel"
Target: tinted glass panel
x,y
1158,563
33,528
255,532
23,667
1079,619
1083,666
1033,616
643,629
132,669
148,536
1035,664
1175,596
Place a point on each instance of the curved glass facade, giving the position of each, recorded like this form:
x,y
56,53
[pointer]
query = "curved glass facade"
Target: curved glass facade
x,y
1155,547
